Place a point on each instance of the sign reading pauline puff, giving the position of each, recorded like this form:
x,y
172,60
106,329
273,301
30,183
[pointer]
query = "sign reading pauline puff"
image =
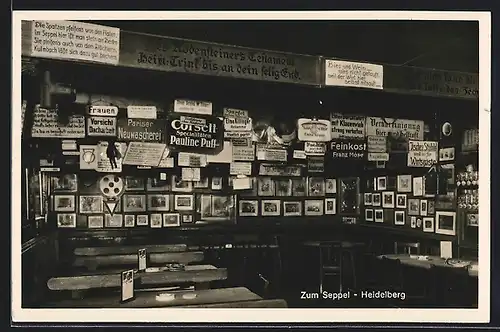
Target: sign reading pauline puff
x,y
195,133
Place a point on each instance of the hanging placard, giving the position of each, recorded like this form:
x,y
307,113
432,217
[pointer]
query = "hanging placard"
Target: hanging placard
x,y
271,154
104,163
316,164
237,134
410,129
377,144
144,154
192,106
314,148
46,124
101,126
190,174
144,130
375,156
141,112
237,124
314,130
299,154
243,153
234,113
88,156
186,159
347,126
354,74
422,153
103,110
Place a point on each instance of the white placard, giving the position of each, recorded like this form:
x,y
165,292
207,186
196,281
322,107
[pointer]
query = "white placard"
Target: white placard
x,y
141,112
223,157
237,124
411,129
127,285
354,74
166,161
46,124
377,144
190,174
68,145
446,249
103,162
144,154
242,183
376,156
314,130
187,159
101,126
244,153
235,113
422,153
192,106
237,134
88,157
347,127
240,168
314,148
75,41
299,154
103,110
271,154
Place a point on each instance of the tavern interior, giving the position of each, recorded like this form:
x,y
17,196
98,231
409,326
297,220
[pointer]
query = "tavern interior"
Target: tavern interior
x,y
275,258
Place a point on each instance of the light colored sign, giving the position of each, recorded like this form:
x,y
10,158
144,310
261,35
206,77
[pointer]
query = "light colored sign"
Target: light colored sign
x,y
354,74
235,113
241,142
46,124
75,41
447,154
377,144
422,153
223,157
237,124
101,126
166,161
271,153
375,156
192,106
410,129
299,154
310,130
145,130
243,153
141,112
314,148
190,174
144,154
237,134
68,145
280,170
103,163
347,127
240,168
88,156
186,159
103,110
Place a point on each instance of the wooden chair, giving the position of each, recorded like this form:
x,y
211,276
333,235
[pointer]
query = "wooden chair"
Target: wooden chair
x,y
330,260
407,248
452,287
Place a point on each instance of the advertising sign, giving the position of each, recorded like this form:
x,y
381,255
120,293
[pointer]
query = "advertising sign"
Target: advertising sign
x,y
237,124
101,126
377,144
144,154
410,129
103,110
143,130
347,127
422,153
314,130
314,148
192,106
348,149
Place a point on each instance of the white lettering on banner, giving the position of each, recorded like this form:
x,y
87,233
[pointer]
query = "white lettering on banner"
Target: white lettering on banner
x,y
354,74
314,148
46,124
378,156
237,134
101,126
141,112
377,144
103,110
347,127
144,154
191,106
411,129
243,153
103,162
422,153
240,168
88,157
314,130
75,41
234,113
237,124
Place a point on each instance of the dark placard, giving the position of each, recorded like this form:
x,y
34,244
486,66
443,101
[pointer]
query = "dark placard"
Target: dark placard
x,y
195,133
348,149
316,164
141,130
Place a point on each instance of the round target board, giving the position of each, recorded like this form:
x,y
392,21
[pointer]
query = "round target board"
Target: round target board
x,y
111,187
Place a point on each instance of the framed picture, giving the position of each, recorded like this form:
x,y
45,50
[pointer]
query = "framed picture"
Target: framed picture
x,y
284,187
187,218
91,204
330,205
95,221
399,217
299,187
178,185
216,183
401,201
292,208
171,219
376,199
270,207
382,183
158,202
388,199
313,207
156,220
66,220
134,203
419,222
203,183
431,207
418,186
129,220
316,186
142,220
265,186
379,215
184,202
413,222
423,207
374,183
66,182
428,224
330,186
369,214
404,183
472,220
368,199
64,203
413,207
446,222
222,207
115,220
248,208
133,183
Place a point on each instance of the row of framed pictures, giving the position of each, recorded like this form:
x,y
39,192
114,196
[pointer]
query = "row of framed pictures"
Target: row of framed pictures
x,y
298,187
391,200
400,183
154,220
273,207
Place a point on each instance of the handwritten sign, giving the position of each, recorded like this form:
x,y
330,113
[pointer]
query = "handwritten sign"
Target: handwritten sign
x,y
410,129
354,74
101,126
377,144
103,110
347,127
141,112
195,133
144,154
75,41
422,153
314,130
192,106
144,130
46,124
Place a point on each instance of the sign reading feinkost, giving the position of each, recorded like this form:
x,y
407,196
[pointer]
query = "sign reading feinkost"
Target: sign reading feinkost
x,y
348,149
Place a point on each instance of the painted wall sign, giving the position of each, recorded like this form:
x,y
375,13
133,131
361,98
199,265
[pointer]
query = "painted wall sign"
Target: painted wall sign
x,y
103,110
101,126
141,112
192,106
46,124
314,130
377,144
422,153
195,133
280,170
144,130
347,127
144,154
354,74
348,149
75,41
410,129
376,156
314,148
176,55
271,153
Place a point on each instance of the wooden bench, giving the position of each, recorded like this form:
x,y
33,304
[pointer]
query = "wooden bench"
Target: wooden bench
x,y
124,250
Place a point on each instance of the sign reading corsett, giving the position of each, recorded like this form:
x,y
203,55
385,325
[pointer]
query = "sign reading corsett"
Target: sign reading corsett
x,y
195,133
314,130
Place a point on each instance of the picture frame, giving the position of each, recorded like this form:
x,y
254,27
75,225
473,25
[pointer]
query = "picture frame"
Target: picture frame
x,y
423,207
248,208
156,220
399,217
142,220
183,202
222,207
299,187
64,203
428,224
413,206
65,183
158,202
330,206
203,183
379,215
90,204
113,221
330,186
283,187
376,199
401,201
431,207
368,199
374,183
418,186
369,214
419,222
133,183
171,220
216,183
313,207
134,203
95,221
270,207
292,208
388,199
187,218
315,187
381,183
178,185
413,222
472,220
404,183
446,222
66,220
129,220
265,187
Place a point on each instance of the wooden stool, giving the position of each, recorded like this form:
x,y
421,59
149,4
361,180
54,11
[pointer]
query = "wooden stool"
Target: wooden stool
x,y
407,247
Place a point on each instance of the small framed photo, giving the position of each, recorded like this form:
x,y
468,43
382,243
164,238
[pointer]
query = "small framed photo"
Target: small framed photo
x,y
419,222
134,203
284,187
368,199
155,184
178,185
431,207
292,208
133,183
248,208
171,219
376,199
299,187
203,183
369,214
129,220
316,187
413,222
330,186
95,221
313,207
446,222
382,183
265,186
66,220
401,201
404,183
64,203
216,183
91,204
330,205
187,218
115,220
388,199
418,186
423,207
399,217
379,215
156,220
158,202
270,207
184,202
428,224
142,220
66,183
472,220
413,207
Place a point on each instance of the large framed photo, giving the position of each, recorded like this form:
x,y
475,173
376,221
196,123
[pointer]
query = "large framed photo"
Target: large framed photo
x,y
248,208
90,204
299,187
446,222
156,220
388,199
270,207
66,220
184,202
265,186
66,183
64,203
133,183
158,202
95,221
330,205
217,207
178,185
115,220
134,203
314,207
292,208
171,220
404,183
284,187
413,207
316,186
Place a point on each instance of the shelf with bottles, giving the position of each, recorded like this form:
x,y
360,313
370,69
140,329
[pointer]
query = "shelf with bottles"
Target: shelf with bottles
x,y
469,178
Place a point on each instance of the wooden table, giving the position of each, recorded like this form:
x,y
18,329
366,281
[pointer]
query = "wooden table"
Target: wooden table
x,y
123,250
406,259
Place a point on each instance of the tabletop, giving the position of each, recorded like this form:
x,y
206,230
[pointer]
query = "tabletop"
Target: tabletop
x,y
120,250
428,263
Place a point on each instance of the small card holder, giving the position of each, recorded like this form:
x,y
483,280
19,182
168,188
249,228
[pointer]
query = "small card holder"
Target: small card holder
x,y
142,260
127,286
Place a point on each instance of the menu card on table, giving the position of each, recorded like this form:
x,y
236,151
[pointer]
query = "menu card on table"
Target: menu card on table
x,y
142,259
127,286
